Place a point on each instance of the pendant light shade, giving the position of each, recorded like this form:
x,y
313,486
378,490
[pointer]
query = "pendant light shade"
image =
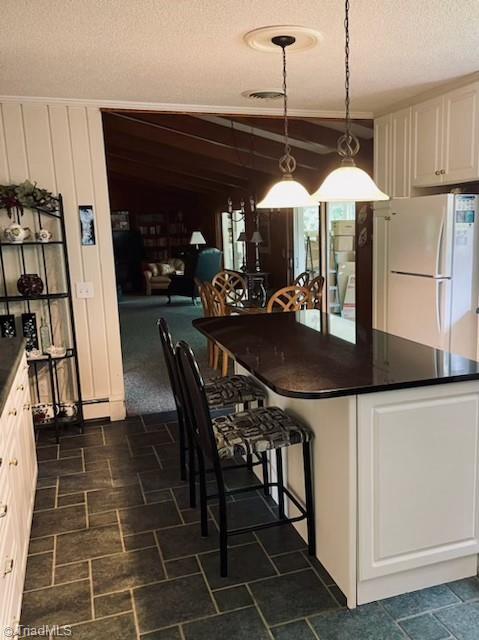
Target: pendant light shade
x,y
287,193
348,183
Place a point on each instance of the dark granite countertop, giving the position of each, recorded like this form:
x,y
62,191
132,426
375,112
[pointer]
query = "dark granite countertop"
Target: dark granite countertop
x,y
11,352
309,354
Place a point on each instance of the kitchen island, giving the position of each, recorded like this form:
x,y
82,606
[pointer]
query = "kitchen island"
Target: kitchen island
x,y
395,453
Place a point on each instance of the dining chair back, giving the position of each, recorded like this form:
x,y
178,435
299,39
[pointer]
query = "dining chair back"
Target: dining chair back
x,y
316,287
290,299
215,300
302,280
231,284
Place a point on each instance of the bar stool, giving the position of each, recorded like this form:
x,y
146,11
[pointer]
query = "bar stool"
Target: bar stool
x,y
253,431
221,393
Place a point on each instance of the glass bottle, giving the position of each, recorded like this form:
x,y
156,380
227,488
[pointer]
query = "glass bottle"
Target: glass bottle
x,y
45,337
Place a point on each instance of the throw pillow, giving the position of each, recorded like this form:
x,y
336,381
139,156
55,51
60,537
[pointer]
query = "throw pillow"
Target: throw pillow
x,y
153,267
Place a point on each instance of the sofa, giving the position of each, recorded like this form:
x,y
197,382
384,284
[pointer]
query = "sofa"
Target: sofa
x,y
176,276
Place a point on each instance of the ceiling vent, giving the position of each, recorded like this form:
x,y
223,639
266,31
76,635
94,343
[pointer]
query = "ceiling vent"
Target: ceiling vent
x,y
263,94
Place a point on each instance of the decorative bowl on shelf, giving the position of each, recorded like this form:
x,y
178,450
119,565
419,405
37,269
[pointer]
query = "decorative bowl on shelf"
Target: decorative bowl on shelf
x,y
43,235
56,352
67,410
30,284
42,412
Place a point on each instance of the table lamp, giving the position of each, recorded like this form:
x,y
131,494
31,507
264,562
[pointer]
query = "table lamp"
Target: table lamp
x,y
257,239
242,238
197,238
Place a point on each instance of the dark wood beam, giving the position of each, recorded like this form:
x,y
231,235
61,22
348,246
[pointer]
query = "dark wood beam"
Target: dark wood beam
x,y
115,126
137,169
180,164
246,145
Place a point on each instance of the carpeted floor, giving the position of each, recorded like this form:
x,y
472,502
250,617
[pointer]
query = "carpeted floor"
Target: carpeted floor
x,y
146,378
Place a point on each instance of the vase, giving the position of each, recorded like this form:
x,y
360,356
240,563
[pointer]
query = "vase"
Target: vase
x,y
30,284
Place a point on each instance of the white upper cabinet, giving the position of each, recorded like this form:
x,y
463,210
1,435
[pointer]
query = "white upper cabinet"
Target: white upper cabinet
x,y
427,143
400,154
382,153
445,139
392,153
460,150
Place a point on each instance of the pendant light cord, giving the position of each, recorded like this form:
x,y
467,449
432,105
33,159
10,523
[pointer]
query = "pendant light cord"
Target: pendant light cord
x,y
348,143
287,162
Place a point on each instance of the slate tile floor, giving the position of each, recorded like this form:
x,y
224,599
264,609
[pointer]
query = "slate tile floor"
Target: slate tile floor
x,y
116,553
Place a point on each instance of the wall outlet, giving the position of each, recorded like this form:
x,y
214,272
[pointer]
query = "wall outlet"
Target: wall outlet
x,y
84,289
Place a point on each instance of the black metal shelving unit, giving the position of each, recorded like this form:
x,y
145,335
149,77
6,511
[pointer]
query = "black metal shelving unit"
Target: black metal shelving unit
x,y
7,300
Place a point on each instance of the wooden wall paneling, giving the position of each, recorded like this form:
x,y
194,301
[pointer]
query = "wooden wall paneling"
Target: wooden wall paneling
x,y
85,195
61,144
111,320
15,142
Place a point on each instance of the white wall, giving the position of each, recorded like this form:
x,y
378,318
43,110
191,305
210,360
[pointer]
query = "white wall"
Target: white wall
x,y
61,148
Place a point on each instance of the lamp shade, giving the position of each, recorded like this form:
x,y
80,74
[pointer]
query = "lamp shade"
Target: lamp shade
x,y
286,194
257,238
349,184
197,238
242,237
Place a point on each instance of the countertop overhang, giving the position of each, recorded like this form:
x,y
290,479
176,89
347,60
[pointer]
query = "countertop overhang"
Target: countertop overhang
x,y
11,352
310,354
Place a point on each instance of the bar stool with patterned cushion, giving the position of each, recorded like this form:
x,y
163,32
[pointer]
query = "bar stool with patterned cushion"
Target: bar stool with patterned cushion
x,y
221,393
254,431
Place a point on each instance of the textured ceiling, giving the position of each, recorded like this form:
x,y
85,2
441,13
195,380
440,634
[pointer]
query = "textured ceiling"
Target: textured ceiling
x,y
192,52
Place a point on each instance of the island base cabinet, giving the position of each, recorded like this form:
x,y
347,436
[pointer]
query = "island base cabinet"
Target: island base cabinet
x,y
18,473
418,489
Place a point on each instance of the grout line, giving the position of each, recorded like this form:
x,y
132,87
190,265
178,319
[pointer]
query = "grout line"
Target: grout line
x,y
266,553
135,613
260,613
122,535
177,506
54,559
313,630
92,600
160,553
210,591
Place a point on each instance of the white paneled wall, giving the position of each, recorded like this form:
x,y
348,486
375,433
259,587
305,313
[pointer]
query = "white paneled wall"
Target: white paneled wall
x,y
61,148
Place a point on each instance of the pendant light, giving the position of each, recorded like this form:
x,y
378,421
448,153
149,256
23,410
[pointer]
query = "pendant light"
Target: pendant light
x,y
287,193
348,183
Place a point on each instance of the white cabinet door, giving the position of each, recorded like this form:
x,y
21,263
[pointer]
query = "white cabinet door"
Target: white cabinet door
x,y
400,183
460,150
418,486
382,152
427,143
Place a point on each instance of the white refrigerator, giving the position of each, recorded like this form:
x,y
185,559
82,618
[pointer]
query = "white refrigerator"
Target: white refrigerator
x,y
433,271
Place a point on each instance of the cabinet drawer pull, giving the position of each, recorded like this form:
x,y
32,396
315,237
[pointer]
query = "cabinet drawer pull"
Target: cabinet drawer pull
x,y
12,412
3,510
437,172
14,462
20,387
443,171
26,407
8,567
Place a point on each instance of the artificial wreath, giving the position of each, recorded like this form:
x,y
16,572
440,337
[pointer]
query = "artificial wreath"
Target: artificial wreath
x,y
26,195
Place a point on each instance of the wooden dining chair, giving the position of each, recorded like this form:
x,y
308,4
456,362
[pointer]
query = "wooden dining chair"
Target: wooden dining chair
x,y
302,280
216,303
232,285
205,298
290,298
316,287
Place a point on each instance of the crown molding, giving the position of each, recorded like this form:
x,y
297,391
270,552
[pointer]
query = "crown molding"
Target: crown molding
x,y
184,108
435,92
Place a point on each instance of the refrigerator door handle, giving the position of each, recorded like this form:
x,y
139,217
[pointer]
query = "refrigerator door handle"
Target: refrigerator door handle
x,y
440,249
438,306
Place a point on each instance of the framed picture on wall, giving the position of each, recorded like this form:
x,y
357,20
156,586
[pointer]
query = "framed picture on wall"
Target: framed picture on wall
x,y
87,224
264,227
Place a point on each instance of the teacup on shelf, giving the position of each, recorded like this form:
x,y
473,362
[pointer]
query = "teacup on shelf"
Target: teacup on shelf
x,y
16,234
56,352
43,235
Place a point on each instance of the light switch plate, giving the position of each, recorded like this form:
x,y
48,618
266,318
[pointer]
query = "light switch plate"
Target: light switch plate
x,y
84,289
